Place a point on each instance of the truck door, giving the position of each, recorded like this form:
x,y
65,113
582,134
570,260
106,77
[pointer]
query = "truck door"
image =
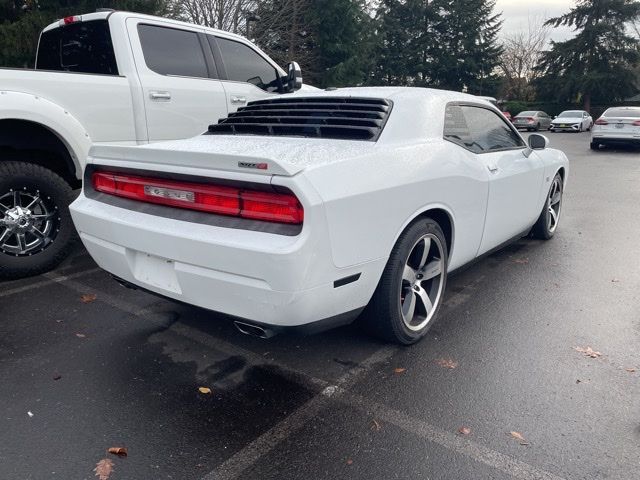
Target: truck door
x,y
181,90
248,74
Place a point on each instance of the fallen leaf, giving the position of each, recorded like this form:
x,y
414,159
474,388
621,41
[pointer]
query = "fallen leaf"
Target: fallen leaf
x,y
588,352
578,381
57,376
349,462
522,261
614,280
518,436
447,363
630,370
375,425
120,451
104,468
399,370
80,335
88,297
30,414
464,430
205,390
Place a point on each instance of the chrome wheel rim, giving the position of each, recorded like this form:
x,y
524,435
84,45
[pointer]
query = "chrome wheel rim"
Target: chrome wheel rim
x,y
422,282
29,222
554,204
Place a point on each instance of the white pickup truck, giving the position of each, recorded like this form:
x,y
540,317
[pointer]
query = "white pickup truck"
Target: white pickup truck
x,y
109,77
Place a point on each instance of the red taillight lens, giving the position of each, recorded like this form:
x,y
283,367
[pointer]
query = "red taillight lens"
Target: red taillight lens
x,y
601,121
222,200
73,19
637,123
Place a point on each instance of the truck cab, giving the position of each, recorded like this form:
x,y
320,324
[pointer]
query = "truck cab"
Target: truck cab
x,y
109,77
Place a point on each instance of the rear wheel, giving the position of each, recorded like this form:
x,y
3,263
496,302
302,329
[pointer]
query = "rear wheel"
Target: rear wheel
x,y
410,290
548,220
36,231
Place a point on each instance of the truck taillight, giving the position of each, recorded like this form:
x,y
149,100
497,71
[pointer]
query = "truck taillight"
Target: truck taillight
x,y
204,197
601,121
71,19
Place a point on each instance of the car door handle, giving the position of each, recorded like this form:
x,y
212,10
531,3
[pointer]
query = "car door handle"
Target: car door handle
x,y
238,100
160,95
492,168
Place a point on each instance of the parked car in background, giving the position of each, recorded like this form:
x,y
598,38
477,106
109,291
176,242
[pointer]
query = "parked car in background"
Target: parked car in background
x,y
507,115
532,120
616,126
572,121
301,212
109,77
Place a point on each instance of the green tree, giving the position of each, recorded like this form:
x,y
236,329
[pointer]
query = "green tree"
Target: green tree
x,y
598,63
22,20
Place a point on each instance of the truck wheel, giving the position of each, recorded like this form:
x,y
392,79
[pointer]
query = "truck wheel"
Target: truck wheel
x,y
36,231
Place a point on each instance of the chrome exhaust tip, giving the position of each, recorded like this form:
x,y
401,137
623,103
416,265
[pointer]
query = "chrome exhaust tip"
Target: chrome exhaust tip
x,y
253,330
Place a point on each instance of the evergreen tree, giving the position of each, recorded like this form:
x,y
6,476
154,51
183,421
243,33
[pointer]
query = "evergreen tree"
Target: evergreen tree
x,y
598,63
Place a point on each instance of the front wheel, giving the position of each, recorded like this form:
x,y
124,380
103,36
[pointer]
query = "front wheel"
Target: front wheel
x,y
548,220
36,231
411,288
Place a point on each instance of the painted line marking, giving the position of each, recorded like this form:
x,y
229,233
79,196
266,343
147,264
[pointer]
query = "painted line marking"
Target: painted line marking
x,y
52,279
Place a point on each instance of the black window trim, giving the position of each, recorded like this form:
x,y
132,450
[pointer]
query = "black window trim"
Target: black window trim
x,y
213,73
499,115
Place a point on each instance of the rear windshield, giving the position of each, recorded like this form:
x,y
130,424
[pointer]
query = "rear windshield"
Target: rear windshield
x,y
83,47
622,112
527,114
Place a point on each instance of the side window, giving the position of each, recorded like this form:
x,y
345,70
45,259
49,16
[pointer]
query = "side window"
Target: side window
x,y
244,64
83,47
488,131
169,51
456,129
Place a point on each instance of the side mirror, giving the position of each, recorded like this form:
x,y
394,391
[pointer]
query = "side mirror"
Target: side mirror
x,y
294,77
537,141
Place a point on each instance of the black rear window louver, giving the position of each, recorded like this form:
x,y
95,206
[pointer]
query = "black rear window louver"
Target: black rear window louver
x,y
346,118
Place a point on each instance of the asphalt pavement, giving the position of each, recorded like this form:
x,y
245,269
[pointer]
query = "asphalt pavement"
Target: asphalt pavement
x,y
532,370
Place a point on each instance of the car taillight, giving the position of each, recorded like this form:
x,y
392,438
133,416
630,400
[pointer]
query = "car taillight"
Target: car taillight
x,y
218,199
601,121
530,119
636,123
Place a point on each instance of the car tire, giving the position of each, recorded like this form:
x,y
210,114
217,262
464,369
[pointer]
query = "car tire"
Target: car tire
x,y
410,291
594,146
547,223
537,129
39,237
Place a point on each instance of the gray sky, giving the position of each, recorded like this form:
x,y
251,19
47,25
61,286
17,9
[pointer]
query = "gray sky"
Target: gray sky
x,y
516,13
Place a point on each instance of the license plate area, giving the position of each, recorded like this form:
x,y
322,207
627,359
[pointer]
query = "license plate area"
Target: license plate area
x,y
156,272
619,125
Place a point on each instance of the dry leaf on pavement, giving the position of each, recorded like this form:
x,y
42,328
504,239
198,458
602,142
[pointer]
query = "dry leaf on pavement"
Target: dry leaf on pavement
x,y
205,390
630,370
88,297
375,425
518,436
399,370
464,430
522,261
447,363
588,352
104,468
120,451
80,335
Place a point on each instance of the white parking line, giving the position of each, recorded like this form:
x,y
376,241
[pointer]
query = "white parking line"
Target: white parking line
x,y
250,454
236,465
51,280
449,440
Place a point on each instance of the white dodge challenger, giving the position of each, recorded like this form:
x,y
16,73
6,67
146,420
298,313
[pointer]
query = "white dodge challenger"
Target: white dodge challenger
x,y
304,211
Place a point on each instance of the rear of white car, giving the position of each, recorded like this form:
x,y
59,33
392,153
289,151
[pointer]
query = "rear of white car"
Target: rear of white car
x,y
617,126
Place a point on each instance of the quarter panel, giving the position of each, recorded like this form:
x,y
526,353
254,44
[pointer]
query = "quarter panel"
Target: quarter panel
x,y
369,200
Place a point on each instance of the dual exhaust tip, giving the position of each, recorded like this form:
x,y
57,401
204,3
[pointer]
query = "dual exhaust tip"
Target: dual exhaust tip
x,y
254,330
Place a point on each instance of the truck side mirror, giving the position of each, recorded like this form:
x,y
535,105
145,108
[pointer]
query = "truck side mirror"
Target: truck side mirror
x,y
294,77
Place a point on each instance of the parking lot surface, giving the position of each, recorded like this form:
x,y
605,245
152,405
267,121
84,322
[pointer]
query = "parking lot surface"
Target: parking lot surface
x,y
532,370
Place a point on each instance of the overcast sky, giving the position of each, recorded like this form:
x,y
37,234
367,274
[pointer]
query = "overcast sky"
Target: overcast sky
x,y
515,14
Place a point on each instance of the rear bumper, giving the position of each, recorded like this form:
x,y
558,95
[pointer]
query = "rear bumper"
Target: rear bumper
x,y
568,128
270,279
628,139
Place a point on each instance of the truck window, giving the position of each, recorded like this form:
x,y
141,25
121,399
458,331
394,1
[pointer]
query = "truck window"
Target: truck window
x,y
83,47
243,64
169,51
